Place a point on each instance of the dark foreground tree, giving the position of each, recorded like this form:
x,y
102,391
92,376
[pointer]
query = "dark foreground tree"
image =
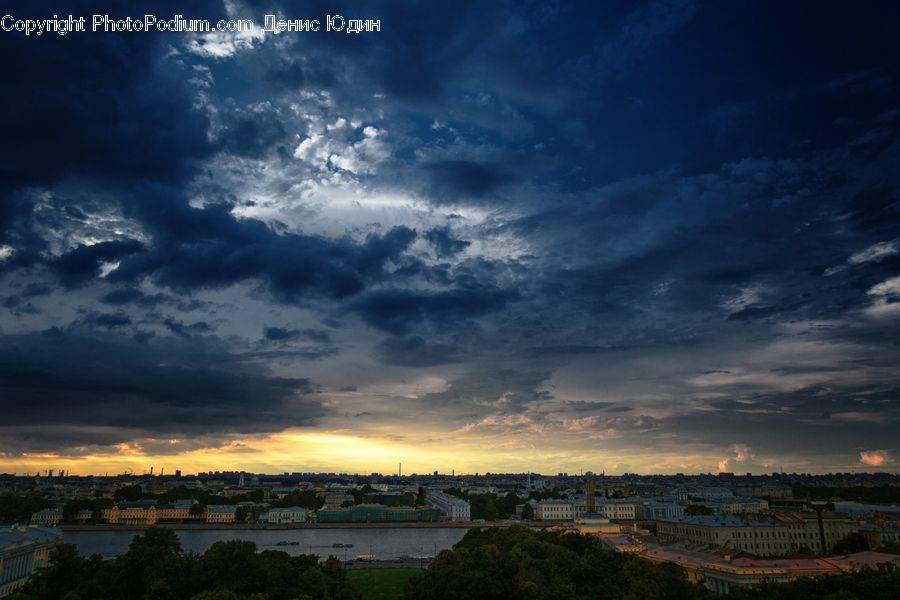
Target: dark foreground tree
x,y
500,564
866,584
156,568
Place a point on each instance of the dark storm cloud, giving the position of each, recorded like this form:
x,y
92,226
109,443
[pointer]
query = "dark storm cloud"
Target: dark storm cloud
x,y
74,381
460,181
444,243
109,320
209,248
123,296
83,263
414,351
398,311
187,329
96,104
280,334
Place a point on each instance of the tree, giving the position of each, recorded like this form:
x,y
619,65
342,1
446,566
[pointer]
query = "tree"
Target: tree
x,y
527,512
483,506
855,542
155,568
890,548
506,504
18,508
496,564
95,505
153,557
130,493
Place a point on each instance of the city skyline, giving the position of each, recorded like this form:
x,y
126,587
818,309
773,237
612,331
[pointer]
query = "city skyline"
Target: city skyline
x,y
648,238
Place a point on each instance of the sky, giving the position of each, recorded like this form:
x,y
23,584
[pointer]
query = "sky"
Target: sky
x,y
490,237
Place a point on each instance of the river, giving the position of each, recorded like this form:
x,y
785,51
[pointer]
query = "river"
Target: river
x,y
385,543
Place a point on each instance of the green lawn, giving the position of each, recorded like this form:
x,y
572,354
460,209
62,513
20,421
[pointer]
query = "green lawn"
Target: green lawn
x,y
381,584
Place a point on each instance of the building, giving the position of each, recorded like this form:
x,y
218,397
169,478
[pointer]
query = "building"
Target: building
x,y
711,492
657,509
621,509
282,516
84,515
23,550
803,530
141,512
772,491
377,513
554,510
48,517
338,500
280,491
180,510
455,508
760,538
722,574
597,525
735,505
783,535
221,513
391,498
879,535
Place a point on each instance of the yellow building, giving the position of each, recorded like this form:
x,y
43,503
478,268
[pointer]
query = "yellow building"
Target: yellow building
x,y
131,513
597,525
49,517
221,513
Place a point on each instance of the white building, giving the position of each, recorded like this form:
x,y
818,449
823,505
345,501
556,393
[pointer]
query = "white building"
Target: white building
x,y
554,510
657,509
455,508
736,505
281,516
23,551
618,509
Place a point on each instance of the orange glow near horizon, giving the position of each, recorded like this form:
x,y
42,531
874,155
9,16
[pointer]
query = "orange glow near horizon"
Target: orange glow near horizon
x,y
345,452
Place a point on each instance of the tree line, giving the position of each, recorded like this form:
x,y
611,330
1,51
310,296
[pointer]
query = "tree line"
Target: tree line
x,y
156,568
500,564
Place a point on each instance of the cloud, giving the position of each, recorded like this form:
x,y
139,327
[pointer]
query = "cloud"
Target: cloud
x,y
59,389
280,334
455,181
445,245
359,156
85,263
874,458
415,351
743,458
397,311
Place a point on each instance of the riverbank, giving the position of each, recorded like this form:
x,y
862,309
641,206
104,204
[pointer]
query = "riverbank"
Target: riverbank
x,y
295,526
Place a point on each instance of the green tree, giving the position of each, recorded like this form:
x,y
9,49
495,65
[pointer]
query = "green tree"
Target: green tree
x,y
528,512
890,548
506,504
855,542
129,493
495,564
18,508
